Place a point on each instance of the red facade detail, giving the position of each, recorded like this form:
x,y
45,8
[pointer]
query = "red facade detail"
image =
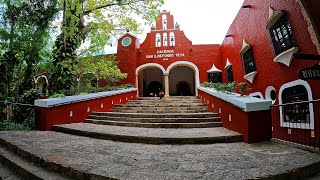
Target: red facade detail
x,y
77,112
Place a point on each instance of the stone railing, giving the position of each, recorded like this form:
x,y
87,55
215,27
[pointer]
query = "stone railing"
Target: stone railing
x,y
73,109
247,115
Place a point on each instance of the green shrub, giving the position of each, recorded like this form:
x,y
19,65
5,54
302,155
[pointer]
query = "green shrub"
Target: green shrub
x,y
229,87
9,126
87,90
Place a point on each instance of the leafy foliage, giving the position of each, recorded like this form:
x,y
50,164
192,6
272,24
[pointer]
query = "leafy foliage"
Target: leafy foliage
x,y
87,90
24,35
94,21
101,67
229,87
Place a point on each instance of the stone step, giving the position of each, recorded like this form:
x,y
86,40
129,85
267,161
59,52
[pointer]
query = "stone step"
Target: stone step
x,y
169,98
155,125
88,158
153,115
164,104
165,101
152,135
156,120
157,111
162,108
160,105
26,169
31,164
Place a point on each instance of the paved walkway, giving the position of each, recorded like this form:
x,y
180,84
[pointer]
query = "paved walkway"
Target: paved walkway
x,y
141,161
152,132
7,174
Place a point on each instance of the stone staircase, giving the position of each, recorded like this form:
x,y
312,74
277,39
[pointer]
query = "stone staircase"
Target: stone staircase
x,y
136,141
175,120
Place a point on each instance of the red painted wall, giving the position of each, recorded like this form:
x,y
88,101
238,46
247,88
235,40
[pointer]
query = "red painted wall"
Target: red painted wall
x,y
313,7
127,58
301,136
250,24
203,56
46,118
254,126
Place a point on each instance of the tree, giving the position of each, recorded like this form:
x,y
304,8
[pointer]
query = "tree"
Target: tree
x,y
24,32
104,67
23,36
94,21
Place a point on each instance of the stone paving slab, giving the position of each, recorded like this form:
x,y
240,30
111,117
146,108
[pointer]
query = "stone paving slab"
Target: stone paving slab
x,y
151,135
8,174
155,132
155,125
27,170
140,161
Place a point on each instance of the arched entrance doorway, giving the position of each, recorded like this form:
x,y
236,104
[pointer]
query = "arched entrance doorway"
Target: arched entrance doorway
x,y
182,81
42,84
154,88
184,89
150,81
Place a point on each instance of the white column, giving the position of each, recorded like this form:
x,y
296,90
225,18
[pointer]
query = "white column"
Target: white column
x,y
166,85
137,84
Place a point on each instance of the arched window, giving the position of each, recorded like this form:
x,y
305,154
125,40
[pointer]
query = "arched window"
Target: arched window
x,y
229,74
164,21
158,40
294,112
172,39
165,39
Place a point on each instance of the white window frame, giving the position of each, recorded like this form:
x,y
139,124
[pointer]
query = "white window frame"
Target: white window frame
x,y
158,37
164,22
172,43
165,39
297,125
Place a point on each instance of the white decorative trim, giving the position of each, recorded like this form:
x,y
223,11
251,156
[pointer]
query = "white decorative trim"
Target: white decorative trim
x,y
214,69
286,56
273,17
228,64
256,94
131,34
297,125
149,65
191,65
245,46
42,76
51,102
268,93
246,103
250,77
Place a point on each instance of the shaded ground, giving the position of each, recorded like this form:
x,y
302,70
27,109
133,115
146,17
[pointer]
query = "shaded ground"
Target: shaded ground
x,y
140,161
7,174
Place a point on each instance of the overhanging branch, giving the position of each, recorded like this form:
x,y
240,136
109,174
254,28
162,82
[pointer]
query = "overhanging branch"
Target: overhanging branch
x,y
109,5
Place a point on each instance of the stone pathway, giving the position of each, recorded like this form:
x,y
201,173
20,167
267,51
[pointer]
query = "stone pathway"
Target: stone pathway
x,y
142,161
7,174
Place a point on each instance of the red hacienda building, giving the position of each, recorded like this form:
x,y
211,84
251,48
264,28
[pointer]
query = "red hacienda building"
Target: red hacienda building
x,y
267,45
272,45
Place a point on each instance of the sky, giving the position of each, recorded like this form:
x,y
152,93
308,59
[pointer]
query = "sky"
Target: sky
x,y
203,21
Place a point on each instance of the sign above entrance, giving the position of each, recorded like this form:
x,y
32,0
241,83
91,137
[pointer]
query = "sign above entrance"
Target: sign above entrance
x,y
165,54
311,73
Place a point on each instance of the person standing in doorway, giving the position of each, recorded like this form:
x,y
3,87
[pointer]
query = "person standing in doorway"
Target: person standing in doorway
x,y
161,94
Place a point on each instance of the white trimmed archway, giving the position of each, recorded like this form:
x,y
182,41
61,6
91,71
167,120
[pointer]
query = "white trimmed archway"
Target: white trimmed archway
x,y
150,68
188,64
41,82
310,98
150,65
